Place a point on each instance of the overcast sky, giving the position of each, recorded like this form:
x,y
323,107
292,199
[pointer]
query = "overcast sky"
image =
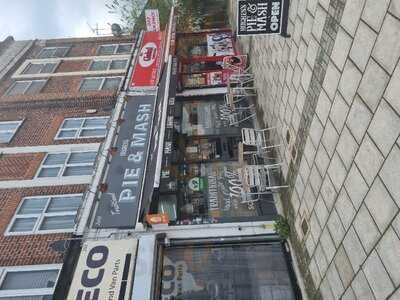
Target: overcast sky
x,y
41,19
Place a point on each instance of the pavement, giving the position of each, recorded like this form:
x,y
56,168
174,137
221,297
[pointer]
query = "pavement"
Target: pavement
x,y
333,89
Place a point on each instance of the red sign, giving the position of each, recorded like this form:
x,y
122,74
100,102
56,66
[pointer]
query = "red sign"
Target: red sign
x,y
149,61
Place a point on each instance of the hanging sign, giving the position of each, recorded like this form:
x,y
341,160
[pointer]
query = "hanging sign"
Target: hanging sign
x,y
259,17
104,270
152,20
149,61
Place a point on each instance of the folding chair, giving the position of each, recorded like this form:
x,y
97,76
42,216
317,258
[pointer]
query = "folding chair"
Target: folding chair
x,y
258,180
259,138
241,114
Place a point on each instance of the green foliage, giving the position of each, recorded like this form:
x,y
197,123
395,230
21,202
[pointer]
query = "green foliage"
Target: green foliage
x,y
131,12
282,227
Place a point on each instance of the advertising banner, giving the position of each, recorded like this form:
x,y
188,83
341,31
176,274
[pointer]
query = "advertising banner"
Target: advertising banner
x,y
220,44
152,20
119,204
104,270
149,61
259,17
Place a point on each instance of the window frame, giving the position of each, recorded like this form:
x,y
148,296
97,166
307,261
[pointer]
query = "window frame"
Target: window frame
x,y
115,52
81,128
65,165
7,93
28,292
56,64
108,65
14,131
102,82
67,48
41,216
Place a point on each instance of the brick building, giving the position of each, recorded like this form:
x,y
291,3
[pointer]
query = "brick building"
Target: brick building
x,y
56,97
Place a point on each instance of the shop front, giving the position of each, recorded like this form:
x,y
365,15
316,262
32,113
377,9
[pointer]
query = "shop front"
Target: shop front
x,y
199,181
164,267
201,55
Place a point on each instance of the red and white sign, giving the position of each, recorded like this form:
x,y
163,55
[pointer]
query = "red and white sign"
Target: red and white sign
x,y
152,20
149,61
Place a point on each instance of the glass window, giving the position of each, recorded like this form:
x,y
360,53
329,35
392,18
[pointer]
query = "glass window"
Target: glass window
x,y
75,128
50,52
99,65
47,213
18,282
102,65
240,271
115,49
38,68
67,164
26,87
7,130
124,48
100,83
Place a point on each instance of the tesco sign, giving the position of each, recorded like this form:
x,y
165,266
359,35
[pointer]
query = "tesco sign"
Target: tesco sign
x,y
104,270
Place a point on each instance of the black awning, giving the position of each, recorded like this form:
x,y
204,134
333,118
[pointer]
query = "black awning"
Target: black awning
x,y
157,138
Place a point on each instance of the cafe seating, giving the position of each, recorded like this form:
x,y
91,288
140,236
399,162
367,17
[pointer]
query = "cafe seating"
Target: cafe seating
x,y
258,180
259,138
241,114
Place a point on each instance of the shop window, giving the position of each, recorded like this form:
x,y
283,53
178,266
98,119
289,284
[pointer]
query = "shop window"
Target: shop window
x,y
26,87
8,130
40,68
103,65
29,282
45,214
111,49
100,83
67,164
53,52
226,272
76,128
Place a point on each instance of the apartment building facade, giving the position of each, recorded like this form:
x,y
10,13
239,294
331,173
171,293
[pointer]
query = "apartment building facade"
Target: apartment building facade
x,y
56,97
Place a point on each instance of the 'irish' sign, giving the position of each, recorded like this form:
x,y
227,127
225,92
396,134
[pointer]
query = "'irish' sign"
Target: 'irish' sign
x,y
259,17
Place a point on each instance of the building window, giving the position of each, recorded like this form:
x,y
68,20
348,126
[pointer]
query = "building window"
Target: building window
x,y
75,128
52,52
100,83
29,282
67,164
45,214
40,68
103,65
8,129
26,87
114,49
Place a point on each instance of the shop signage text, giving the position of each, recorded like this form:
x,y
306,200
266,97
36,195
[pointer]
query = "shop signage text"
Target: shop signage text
x,y
259,17
149,61
104,270
152,20
119,204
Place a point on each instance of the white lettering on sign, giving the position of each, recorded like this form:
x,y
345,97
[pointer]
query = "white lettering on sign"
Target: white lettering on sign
x,y
136,155
275,12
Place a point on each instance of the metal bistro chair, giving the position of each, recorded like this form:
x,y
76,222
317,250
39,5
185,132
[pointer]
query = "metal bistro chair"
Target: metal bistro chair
x,y
258,180
241,114
259,138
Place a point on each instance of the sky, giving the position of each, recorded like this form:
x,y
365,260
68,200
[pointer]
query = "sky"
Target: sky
x,y
43,19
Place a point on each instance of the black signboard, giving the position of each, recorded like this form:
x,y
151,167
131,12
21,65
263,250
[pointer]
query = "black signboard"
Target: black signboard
x,y
118,205
262,17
